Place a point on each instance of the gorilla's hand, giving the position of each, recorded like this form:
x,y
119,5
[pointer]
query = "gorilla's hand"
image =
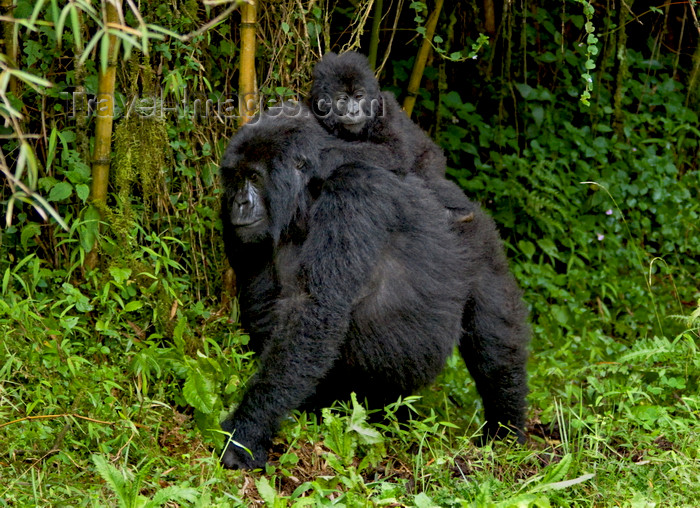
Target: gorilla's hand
x,y
243,450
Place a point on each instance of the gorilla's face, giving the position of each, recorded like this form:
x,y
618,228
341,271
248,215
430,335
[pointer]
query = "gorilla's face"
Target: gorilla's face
x,y
345,96
266,171
247,211
349,105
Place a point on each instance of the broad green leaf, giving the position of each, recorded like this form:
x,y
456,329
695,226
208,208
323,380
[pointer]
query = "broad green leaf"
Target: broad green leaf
x,y
133,305
60,191
120,275
199,391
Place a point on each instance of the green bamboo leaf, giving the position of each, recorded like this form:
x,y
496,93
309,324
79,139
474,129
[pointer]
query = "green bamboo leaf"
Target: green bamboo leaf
x,y
75,21
61,22
31,79
91,45
55,14
43,205
53,141
35,13
165,31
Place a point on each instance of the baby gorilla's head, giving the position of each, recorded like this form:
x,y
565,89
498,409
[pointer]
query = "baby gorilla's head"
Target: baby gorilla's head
x,y
345,96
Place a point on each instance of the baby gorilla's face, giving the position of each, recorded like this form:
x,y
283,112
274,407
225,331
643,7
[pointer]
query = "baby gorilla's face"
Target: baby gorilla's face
x,y
352,109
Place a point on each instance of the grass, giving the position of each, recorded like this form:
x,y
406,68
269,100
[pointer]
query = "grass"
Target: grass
x,y
103,421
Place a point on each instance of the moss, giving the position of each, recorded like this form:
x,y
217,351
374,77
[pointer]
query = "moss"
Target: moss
x,y
141,150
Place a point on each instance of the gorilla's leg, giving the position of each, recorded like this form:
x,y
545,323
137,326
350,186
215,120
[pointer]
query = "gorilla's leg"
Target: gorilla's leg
x,y
496,333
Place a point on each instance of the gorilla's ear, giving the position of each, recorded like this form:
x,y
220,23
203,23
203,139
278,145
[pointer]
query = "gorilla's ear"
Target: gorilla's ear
x,y
377,106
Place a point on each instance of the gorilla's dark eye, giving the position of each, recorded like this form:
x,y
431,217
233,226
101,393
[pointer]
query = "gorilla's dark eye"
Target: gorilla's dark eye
x,y
301,164
359,95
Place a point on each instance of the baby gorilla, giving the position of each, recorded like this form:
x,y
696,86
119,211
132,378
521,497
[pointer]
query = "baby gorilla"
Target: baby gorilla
x,y
346,100
351,280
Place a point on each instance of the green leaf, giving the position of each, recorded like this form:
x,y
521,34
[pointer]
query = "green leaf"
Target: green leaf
x,y
120,275
114,479
358,423
199,391
527,248
547,245
547,57
89,228
133,306
75,21
83,191
53,141
104,51
173,493
538,115
60,191
524,89
267,492
28,231
422,500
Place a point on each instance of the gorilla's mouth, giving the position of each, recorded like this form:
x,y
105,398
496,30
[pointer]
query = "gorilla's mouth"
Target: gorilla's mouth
x,y
241,225
351,120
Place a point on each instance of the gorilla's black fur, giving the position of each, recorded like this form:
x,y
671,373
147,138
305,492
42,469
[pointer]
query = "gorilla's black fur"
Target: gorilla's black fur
x,y
351,279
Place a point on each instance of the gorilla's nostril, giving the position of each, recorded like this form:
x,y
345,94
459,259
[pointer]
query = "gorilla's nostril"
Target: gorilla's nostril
x,y
241,199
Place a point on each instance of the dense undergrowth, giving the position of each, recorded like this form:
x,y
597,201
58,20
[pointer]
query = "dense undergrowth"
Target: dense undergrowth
x,y
112,381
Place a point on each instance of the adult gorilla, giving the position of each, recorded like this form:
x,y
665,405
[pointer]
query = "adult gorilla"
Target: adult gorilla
x,y
351,279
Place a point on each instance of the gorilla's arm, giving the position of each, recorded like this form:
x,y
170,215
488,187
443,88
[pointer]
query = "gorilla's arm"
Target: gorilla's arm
x,y
337,152
347,231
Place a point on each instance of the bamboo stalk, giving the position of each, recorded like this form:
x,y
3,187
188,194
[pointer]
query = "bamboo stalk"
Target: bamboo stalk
x,y
374,34
246,81
104,121
421,59
247,90
489,17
